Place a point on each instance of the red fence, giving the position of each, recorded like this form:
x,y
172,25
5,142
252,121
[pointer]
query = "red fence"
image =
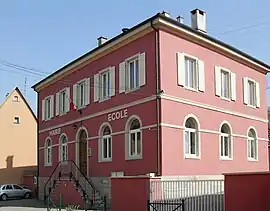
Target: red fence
x,y
247,191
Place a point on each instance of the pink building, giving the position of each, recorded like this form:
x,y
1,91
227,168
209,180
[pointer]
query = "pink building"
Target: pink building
x,y
161,97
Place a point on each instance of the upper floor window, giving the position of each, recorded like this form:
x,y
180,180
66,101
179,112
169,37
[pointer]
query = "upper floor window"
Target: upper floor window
x,y
225,142
81,93
252,145
16,98
132,73
225,83
63,148
104,84
134,139
251,92
47,108
62,101
48,152
16,120
190,72
191,138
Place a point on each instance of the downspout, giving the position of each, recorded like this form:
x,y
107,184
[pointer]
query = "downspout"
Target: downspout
x,y
37,186
157,65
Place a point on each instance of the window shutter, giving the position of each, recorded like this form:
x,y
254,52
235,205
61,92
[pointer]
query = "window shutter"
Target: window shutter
x,y
245,90
75,95
201,76
258,103
43,110
122,77
180,59
112,81
233,86
52,106
96,87
142,69
87,91
57,104
67,100
217,80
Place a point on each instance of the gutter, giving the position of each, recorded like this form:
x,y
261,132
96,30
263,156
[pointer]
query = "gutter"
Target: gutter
x,y
157,65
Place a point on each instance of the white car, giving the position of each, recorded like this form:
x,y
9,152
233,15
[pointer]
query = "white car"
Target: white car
x,y
14,191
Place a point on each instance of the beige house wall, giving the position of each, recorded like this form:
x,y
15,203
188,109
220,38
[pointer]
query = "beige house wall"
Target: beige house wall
x,y
18,142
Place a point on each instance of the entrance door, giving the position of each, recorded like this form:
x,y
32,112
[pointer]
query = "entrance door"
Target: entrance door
x,y
83,152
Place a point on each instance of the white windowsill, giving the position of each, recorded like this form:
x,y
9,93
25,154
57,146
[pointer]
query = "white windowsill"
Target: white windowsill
x,y
226,99
104,99
135,157
192,157
104,160
251,106
253,160
225,158
191,89
48,165
132,90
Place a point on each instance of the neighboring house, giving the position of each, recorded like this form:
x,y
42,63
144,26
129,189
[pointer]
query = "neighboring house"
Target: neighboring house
x,y
161,97
18,140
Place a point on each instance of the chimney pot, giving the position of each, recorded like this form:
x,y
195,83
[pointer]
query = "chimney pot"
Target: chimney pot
x,y
198,20
101,40
180,19
166,14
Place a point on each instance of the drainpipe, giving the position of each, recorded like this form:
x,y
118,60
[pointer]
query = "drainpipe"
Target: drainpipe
x,y
157,98
37,185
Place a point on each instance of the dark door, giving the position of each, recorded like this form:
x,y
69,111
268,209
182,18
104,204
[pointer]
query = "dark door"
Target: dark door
x,y
83,153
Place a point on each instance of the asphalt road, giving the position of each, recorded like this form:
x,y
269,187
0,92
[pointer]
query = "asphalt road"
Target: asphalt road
x,y
23,204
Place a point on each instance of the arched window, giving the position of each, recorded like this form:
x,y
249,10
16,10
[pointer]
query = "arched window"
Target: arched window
x,y
106,143
48,152
191,138
252,145
135,138
63,148
225,142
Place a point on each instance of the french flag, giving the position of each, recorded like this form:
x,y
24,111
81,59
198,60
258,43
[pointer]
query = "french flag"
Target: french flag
x,y
72,105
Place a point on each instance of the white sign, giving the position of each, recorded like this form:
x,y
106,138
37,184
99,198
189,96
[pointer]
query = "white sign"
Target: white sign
x,y
117,115
55,132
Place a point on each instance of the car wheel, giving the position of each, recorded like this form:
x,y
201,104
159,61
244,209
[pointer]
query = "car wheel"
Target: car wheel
x,y
4,197
27,195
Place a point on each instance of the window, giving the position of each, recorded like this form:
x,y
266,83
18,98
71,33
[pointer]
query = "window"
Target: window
x,y
252,145
9,187
132,73
48,152
191,138
15,98
135,139
17,187
63,152
190,73
81,93
225,142
106,144
105,85
62,101
16,120
251,92
225,84
47,108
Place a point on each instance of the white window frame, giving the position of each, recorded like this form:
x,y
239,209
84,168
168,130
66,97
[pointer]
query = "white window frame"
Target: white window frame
x,y
50,109
107,138
48,152
223,70
187,73
80,104
136,82
62,105
137,155
63,147
230,142
248,93
249,143
197,154
102,86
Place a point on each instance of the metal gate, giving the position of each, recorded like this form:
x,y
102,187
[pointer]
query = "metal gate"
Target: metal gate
x,y
166,206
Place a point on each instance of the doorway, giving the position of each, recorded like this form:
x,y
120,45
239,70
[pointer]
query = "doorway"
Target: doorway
x,y
83,152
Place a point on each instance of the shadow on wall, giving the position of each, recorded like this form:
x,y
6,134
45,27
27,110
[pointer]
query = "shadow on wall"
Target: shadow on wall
x,y
15,175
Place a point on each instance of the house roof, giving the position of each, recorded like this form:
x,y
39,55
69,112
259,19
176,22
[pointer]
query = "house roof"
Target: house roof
x,y
151,19
16,89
